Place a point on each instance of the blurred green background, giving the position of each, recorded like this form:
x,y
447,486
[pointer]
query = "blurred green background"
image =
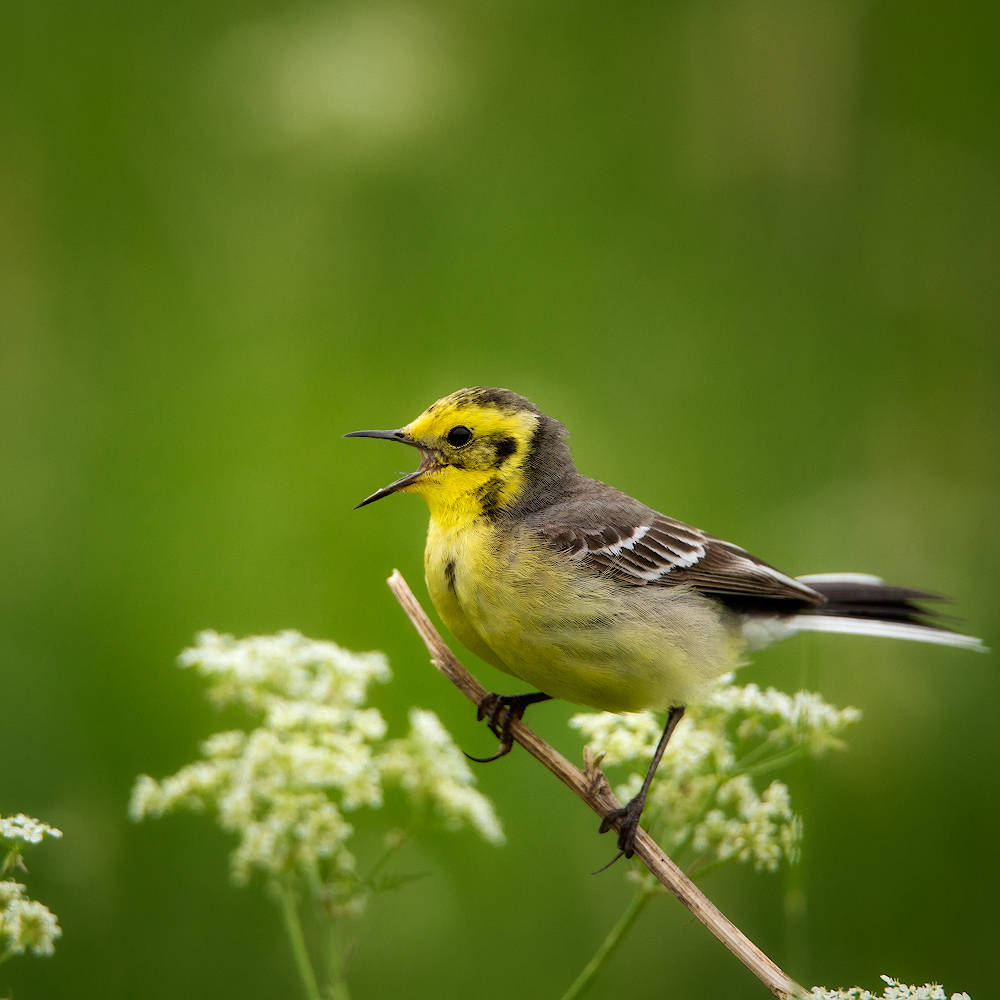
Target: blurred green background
x,y
747,250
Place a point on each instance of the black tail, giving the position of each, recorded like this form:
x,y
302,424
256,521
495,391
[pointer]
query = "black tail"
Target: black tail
x,y
865,605
877,601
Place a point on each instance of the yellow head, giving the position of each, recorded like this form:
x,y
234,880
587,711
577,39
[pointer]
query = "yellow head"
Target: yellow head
x,y
482,451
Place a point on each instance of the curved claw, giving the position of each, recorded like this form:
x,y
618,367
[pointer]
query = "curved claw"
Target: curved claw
x,y
620,854
493,704
505,749
502,709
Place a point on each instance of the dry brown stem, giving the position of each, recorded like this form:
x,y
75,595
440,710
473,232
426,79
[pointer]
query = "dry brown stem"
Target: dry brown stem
x,y
592,786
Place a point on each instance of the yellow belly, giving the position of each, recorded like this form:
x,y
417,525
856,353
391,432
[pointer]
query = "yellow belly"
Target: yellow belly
x,y
533,613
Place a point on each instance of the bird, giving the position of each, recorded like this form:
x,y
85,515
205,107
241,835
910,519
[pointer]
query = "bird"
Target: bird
x,y
592,597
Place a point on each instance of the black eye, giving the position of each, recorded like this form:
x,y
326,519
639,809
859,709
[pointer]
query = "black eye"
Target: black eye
x,y
458,436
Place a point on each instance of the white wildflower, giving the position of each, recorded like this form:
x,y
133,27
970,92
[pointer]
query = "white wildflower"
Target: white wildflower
x,y
763,830
10,891
20,830
801,719
285,786
629,736
894,991
703,798
261,671
428,765
273,788
24,923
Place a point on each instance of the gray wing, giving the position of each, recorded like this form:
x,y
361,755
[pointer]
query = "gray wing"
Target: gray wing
x,y
640,547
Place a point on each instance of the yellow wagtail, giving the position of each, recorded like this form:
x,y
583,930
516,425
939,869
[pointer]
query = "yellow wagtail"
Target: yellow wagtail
x,y
593,597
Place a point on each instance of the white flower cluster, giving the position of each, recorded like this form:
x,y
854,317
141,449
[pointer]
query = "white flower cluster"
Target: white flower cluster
x,y
621,738
764,828
283,787
429,766
894,990
802,719
20,830
24,923
703,799
264,672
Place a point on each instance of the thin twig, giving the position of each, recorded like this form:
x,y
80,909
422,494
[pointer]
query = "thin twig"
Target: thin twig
x,y
592,786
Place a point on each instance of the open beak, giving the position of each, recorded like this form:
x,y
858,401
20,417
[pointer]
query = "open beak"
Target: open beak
x,y
426,463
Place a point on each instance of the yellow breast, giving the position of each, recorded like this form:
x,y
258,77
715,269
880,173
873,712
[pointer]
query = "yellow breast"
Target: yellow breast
x,y
533,613
455,556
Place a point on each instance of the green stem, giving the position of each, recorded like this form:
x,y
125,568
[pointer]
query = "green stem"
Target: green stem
x,y
294,927
764,755
610,945
383,858
695,872
781,760
336,964
12,862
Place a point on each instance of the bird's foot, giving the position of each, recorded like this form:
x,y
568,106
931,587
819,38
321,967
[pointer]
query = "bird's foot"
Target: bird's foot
x,y
626,820
500,710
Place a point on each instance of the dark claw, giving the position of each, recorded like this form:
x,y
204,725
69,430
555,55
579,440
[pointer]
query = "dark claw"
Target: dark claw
x,y
494,704
501,710
620,854
505,748
485,702
627,820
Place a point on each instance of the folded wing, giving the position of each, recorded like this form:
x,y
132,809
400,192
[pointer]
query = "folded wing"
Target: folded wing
x,y
660,551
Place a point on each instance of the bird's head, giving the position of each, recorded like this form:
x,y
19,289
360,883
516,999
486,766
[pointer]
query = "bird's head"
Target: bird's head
x,y
482,450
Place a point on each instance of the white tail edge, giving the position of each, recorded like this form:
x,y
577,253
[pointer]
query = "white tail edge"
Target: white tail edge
x,y
890,630
811,578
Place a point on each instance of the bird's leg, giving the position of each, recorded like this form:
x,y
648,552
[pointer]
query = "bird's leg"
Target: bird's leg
x,y
627,817
501,709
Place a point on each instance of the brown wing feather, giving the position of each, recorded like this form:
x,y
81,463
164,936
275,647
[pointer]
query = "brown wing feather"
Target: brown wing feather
x,y
657,550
